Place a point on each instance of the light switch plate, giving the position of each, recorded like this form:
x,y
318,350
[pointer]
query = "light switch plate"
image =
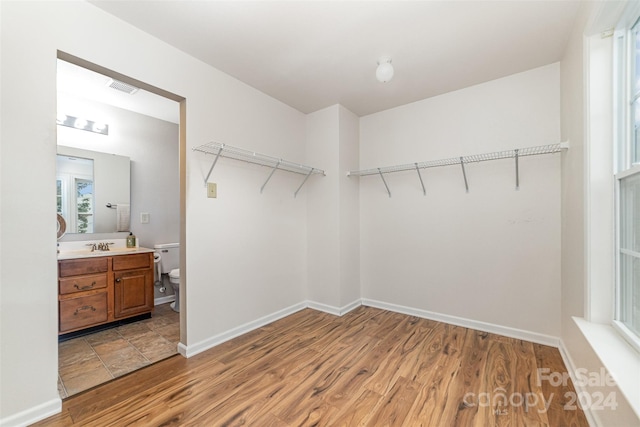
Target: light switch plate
x,y
212,190
144,217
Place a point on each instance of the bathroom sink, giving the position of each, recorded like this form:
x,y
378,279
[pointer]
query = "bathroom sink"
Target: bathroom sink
x,y
68,250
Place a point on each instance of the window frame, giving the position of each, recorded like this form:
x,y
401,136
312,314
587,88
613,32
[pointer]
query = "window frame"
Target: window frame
x,y
626,149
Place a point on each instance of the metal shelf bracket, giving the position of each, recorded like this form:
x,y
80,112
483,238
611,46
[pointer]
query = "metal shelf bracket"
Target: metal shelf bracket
x,y
213,164
464,174
303,181
385,182
270,175
517,171
424,191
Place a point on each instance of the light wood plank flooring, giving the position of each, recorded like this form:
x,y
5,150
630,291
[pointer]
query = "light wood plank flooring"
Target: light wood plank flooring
x,y
369,367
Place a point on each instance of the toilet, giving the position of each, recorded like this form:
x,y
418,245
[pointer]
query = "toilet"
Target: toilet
x,y
170,265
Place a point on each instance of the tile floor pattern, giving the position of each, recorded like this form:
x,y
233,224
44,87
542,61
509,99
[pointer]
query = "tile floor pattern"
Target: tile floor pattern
x,y
87,361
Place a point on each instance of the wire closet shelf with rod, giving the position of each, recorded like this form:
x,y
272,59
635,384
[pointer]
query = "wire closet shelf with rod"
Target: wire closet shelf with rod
x,y
461,161
223,150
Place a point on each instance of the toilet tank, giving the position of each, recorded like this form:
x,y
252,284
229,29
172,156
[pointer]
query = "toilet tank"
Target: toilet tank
x,y
169,256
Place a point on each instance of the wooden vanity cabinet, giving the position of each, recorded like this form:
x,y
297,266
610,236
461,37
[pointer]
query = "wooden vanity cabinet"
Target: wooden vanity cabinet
x,y
95,291
132,275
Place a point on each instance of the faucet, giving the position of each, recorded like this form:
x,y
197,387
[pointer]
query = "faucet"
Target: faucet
x,y
102,246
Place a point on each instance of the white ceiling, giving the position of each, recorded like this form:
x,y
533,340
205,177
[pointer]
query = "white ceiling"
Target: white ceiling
x,y
313,54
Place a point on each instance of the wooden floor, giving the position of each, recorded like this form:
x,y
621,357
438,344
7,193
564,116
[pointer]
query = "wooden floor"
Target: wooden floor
x,y
369,367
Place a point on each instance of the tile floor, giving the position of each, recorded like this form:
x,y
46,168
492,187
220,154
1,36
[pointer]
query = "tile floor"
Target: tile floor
x,y
87,361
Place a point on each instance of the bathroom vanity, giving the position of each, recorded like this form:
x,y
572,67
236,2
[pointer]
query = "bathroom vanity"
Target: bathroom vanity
x,y
103,287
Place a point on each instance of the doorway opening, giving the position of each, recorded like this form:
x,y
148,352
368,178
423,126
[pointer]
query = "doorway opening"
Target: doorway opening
x,y
104,115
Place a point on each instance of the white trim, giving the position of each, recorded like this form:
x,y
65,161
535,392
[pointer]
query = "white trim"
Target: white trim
x,y
467,323
627,334
33,414
572,369
334,310
192,350
164,299
199,347
635,169
630,253
617,356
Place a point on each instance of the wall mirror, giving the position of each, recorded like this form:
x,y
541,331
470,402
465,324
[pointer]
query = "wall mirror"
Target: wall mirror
x,y
93,191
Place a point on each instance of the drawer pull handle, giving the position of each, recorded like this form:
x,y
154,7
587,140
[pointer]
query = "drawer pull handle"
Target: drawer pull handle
x,y
84,307
118,280
84,288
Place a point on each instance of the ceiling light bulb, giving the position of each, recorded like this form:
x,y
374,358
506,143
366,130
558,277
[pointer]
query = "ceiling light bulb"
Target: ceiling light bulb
x,y
384,72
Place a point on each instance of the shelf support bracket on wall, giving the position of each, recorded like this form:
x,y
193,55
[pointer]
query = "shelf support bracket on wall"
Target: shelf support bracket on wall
x,y
303,181
213,164
464,174
270,175
385,182
517,171
424,191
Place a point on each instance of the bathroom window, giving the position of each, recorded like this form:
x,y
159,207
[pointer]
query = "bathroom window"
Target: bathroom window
x,y
84,205
627,316
75,193
59,197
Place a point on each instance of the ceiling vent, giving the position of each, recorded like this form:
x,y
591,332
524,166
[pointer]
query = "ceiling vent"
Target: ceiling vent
x,y
122,86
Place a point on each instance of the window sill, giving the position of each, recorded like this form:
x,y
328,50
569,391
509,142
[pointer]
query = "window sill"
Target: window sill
x,y
620,359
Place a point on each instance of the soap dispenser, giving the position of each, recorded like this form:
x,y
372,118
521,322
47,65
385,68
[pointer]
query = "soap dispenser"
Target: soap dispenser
x,y
131,240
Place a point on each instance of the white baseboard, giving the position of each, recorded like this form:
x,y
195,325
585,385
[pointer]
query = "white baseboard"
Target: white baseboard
x,y
164,300
571,369
337,311
191,350
33,415
467,323
199,347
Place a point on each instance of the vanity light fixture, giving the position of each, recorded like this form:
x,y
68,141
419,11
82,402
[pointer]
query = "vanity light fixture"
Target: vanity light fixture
x,y
384,72
83,124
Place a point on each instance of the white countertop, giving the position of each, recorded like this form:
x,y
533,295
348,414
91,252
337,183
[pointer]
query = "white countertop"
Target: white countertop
x,y
80,249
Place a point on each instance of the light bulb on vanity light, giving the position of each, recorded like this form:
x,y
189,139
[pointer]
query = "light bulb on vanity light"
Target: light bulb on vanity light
x,y
384,72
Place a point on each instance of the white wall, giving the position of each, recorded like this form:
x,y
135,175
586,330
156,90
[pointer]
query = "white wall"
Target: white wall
x,y
492,255
333,274
323,216
349,128
245,251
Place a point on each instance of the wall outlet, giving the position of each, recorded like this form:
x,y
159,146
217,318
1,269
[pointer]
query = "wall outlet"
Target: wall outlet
x,y
212,190
144,217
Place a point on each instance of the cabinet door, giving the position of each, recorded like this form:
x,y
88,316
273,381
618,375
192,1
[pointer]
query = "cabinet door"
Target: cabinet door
x,y
133,292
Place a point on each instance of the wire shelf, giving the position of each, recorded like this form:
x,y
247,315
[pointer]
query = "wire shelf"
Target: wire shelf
x,y
223,150
461,161
508,154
